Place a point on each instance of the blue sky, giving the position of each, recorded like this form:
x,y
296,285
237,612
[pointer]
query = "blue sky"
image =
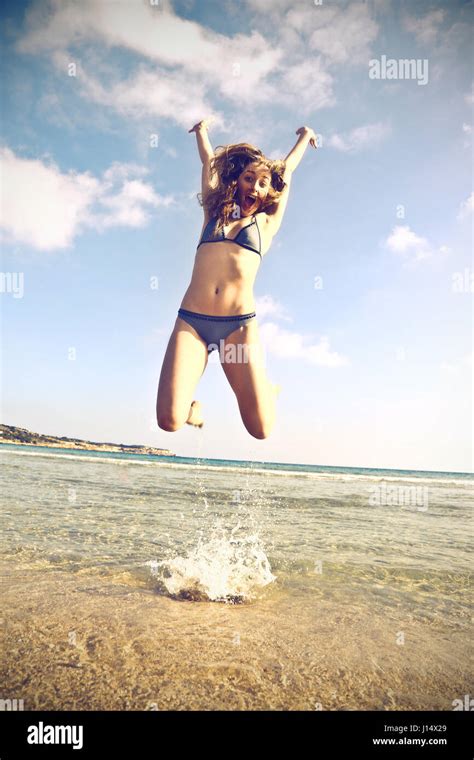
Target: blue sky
x,y
100,221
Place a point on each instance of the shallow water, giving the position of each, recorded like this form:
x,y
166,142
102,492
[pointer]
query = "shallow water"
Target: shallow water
x,y
178,587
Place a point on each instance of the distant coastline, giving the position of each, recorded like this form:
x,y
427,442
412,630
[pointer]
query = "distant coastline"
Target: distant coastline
x,y
22,436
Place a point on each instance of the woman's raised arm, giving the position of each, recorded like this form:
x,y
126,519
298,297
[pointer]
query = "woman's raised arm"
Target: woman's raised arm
x,y
204,146
206,153
306,135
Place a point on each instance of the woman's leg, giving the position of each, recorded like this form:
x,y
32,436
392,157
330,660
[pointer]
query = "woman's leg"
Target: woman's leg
x,y
242,362
184,363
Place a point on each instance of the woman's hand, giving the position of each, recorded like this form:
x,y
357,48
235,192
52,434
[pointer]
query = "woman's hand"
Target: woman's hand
x,y
203,124
310,133
206,152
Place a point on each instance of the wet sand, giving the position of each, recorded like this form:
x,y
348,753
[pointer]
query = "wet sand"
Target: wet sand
x,y
91,642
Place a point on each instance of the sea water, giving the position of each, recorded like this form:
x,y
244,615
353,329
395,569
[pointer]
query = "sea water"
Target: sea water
x,y
256,585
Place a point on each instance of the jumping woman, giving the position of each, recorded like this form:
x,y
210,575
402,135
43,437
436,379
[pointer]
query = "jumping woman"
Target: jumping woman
x,y
244,196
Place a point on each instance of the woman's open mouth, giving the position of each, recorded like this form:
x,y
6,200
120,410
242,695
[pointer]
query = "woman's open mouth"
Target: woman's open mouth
x,y
249,200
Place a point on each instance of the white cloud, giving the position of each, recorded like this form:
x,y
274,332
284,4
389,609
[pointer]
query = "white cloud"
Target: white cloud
x,y
412,247
343,35
266,305
425,28
129,207
270,7
466,208
175,80
151,31
157,93
47,208
407,243
40,206
311,84
469,97
292,345
359,138
120,172
237,67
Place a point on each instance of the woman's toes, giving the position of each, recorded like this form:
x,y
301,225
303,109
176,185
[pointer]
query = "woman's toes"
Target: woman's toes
x,y
195,415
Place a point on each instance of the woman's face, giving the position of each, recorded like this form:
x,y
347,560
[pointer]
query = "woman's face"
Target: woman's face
x,y
252,188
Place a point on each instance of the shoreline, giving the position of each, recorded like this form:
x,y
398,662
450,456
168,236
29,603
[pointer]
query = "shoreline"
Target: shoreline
x,y
23,437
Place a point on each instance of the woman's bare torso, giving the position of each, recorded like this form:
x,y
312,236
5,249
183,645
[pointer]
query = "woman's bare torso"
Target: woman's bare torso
x,y
224,272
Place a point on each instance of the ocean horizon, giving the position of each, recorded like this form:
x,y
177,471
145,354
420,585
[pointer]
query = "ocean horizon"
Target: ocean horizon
x,y
254,465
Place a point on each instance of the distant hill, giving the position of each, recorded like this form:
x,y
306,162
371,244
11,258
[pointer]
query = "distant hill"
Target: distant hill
x,y
12,434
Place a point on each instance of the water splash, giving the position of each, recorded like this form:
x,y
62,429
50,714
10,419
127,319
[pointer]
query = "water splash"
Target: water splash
x,y
221,568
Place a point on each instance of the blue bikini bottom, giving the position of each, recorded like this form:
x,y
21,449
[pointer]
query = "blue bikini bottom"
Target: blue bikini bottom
x,y
213,329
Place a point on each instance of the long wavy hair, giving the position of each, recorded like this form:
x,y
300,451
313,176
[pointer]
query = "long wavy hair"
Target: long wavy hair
x,y
227,165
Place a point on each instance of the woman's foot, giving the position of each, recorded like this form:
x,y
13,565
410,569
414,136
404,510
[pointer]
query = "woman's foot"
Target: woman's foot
x,y
195,415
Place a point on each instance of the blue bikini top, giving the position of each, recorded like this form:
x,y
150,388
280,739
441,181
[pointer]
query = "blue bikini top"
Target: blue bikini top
x,y
247,237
